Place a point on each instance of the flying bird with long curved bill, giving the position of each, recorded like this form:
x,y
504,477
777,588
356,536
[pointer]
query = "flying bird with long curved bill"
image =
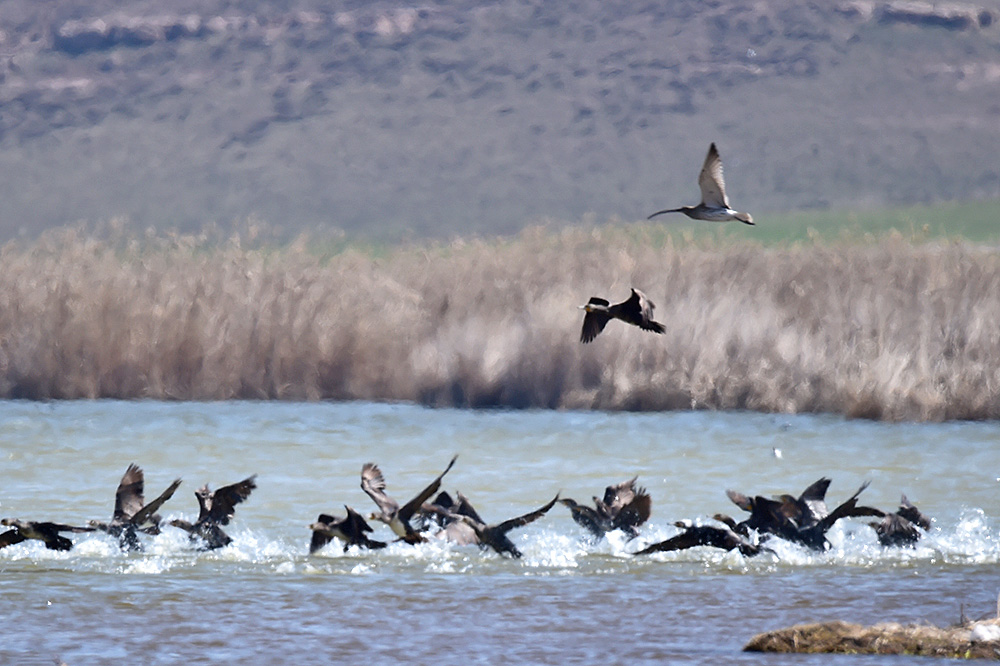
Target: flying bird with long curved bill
x,y
636,310
714,206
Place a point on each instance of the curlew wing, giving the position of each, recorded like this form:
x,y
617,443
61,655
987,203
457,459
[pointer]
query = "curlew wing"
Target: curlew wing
x,y
635,513
713,187
225,499
373,483
414,504
619,495
128,497
740,500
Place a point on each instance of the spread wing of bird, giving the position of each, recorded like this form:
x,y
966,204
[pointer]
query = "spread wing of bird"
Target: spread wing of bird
x,y
620,494
740,500
520,521
320,537
849,508
464,508
226,498
713,187
11,537
813,500
594,321
909,511
128,497
637,310
373,483
414,504
146,513
636,512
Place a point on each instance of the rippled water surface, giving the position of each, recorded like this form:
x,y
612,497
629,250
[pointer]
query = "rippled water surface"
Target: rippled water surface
x,y
566,601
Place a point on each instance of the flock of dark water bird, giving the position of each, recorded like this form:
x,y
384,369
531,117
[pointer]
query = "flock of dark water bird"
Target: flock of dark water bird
x,y
638,309
804,519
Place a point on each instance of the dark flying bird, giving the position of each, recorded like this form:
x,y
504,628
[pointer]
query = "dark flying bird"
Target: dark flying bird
x,y
390,513
464,526
625,507
40,531
131,513
637,310
216,509
714,206
704,535
350,530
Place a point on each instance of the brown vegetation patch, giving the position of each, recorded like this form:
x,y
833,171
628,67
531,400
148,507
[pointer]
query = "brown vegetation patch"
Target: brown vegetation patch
x,y
885,330
887,638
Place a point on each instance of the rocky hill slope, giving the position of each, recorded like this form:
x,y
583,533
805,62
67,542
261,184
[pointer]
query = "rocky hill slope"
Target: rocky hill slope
x,y
393,120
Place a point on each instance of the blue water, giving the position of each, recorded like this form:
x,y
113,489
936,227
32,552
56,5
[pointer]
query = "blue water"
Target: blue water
x,y
265,600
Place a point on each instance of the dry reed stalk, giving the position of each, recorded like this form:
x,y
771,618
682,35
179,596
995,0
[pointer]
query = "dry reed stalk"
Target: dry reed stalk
x,y
887,330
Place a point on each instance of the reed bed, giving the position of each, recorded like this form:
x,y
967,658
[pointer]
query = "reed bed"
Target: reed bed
x,y
895,328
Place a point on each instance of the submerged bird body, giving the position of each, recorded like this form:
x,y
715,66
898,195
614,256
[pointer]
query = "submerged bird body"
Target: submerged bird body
x,y
216,509
714,206
636,310
624,507
395,516
46,532
132,514
350,530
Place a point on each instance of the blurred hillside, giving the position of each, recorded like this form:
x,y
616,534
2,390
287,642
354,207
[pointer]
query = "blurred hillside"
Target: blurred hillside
x,y
391,120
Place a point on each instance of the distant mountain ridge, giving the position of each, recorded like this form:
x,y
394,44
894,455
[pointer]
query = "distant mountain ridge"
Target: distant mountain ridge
x,y
393,121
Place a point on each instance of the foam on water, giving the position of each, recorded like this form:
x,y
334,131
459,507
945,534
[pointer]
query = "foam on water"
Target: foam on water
x,y
973,540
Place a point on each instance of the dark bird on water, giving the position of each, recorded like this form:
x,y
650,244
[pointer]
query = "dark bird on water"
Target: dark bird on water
x,y
350,530
704,535
40,531
395,516
900,528
805,519
464,526
216,509
714,206
132,514
624,507
637,310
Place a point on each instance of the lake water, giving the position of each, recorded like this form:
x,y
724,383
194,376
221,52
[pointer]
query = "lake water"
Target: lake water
x,y
263,599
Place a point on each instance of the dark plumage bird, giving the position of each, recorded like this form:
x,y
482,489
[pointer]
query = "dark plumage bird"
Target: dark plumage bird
x,y
805,519
714,206
900,528
132,514
350,530
40,531
625,507
637,310
216,509
395,516
704,535
464,526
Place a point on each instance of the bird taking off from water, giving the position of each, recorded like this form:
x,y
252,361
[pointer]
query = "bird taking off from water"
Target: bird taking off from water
x,y
714,206
637,310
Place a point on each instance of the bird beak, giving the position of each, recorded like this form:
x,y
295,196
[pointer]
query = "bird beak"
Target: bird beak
x,y
585,307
